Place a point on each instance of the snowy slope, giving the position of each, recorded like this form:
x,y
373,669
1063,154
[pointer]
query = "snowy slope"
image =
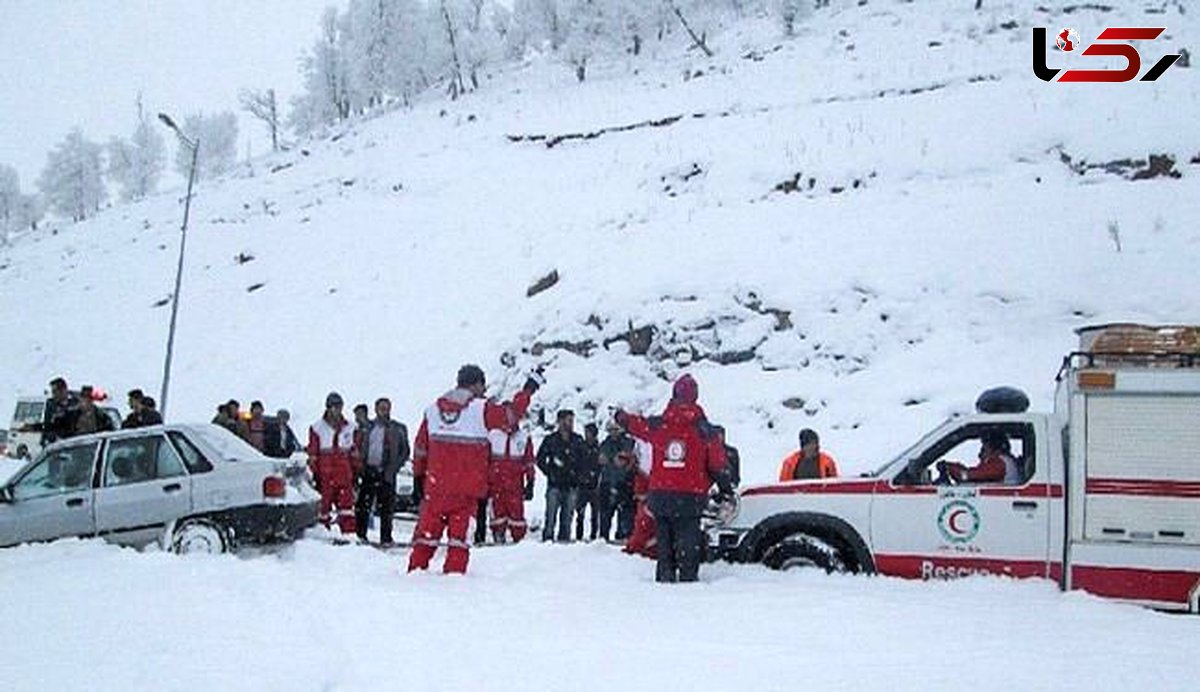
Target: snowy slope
x,y
959,252
944,246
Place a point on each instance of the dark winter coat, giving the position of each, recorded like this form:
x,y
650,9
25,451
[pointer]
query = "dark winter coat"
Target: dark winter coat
x,y
561,458
141,419
91,420
587,474
733,465
280,446
612,473
395,447
58,421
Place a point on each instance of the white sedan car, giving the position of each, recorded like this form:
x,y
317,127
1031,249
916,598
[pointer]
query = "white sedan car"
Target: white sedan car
x,y
192,488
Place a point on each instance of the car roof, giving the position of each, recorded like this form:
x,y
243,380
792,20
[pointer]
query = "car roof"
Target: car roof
x,y
197,432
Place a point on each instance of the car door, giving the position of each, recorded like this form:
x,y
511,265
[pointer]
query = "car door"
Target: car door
x,y
924,529
53,498
143,487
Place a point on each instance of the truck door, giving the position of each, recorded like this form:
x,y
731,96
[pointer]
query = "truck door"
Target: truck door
x,y
923,525
144,487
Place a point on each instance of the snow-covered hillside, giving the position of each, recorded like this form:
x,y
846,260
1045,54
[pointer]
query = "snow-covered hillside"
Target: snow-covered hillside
x,y
871,222
856,230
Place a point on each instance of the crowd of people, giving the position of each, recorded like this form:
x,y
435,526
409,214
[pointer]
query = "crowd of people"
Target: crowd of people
x,y
644,485
68,413
271,435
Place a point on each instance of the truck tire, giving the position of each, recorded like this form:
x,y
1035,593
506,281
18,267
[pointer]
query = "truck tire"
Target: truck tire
x,y
801,551
200,536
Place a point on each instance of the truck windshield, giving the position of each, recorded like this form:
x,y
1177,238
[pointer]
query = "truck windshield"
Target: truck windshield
x,y
900,460
28,412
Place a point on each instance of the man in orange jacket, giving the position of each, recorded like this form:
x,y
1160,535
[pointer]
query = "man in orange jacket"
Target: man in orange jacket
x,y
808,461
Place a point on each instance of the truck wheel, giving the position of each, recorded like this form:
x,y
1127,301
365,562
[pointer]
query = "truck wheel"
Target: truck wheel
x,y
804,552
199,536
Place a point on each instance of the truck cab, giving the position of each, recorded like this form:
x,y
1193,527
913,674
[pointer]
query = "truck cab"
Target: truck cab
x,y
1104,495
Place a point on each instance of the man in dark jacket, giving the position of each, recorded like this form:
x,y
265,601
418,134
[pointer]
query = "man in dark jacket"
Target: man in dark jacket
x,y
587,480
616,483
281,442
58,421
559,457
90,419
384,451
140,415
687,458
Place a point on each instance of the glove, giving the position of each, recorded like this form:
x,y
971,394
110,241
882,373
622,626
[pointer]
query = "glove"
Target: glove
x,y
535,380
418,491
528,491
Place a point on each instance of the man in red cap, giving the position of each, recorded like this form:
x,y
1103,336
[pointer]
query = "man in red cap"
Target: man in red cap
x,y
687,457
450,464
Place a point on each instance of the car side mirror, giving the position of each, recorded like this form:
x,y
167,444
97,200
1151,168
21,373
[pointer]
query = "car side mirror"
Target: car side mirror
x,y
6,494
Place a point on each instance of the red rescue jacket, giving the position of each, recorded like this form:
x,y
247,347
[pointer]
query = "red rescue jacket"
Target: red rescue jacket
x,y
452,450
687,451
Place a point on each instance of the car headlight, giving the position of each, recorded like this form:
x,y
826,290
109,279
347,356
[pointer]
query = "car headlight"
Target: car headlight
x,y
721,512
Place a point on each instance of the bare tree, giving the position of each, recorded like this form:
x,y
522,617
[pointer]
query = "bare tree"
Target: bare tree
x,y
700,41
262,105
457,87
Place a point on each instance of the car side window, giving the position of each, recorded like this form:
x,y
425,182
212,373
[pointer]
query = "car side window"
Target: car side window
x,y
62,471
140,459
195,461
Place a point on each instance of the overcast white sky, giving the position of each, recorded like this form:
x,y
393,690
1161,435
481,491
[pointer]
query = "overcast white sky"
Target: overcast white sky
x,y
67,63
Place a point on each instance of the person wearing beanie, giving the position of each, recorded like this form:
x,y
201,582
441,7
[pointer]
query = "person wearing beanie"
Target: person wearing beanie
x,y
450,464
332,458
686,457
808,461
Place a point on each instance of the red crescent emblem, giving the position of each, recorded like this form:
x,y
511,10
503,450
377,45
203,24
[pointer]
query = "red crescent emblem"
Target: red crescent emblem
x,y
952,521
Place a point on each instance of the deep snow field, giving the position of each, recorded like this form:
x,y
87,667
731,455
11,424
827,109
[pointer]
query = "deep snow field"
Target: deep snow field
x,y
540,616
945,245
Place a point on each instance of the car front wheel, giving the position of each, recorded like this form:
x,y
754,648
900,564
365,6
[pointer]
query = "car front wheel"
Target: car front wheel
x,y
199,536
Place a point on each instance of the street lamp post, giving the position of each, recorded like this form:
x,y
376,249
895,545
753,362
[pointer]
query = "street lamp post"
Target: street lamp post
x,y
194,146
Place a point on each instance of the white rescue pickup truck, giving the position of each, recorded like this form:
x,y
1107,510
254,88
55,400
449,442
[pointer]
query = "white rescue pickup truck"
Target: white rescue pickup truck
x,y
1106,499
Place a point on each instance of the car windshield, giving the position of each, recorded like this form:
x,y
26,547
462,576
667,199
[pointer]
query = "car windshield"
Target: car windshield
x,y
229,446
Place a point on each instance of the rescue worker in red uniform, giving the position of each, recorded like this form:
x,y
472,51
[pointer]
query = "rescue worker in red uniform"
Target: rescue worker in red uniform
x,y
450,464
510,482
642,541
332,458
996,463
687,457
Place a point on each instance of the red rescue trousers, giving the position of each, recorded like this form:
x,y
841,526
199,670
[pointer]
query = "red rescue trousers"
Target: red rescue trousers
x,y
506,489
337,491
644,539
452,515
